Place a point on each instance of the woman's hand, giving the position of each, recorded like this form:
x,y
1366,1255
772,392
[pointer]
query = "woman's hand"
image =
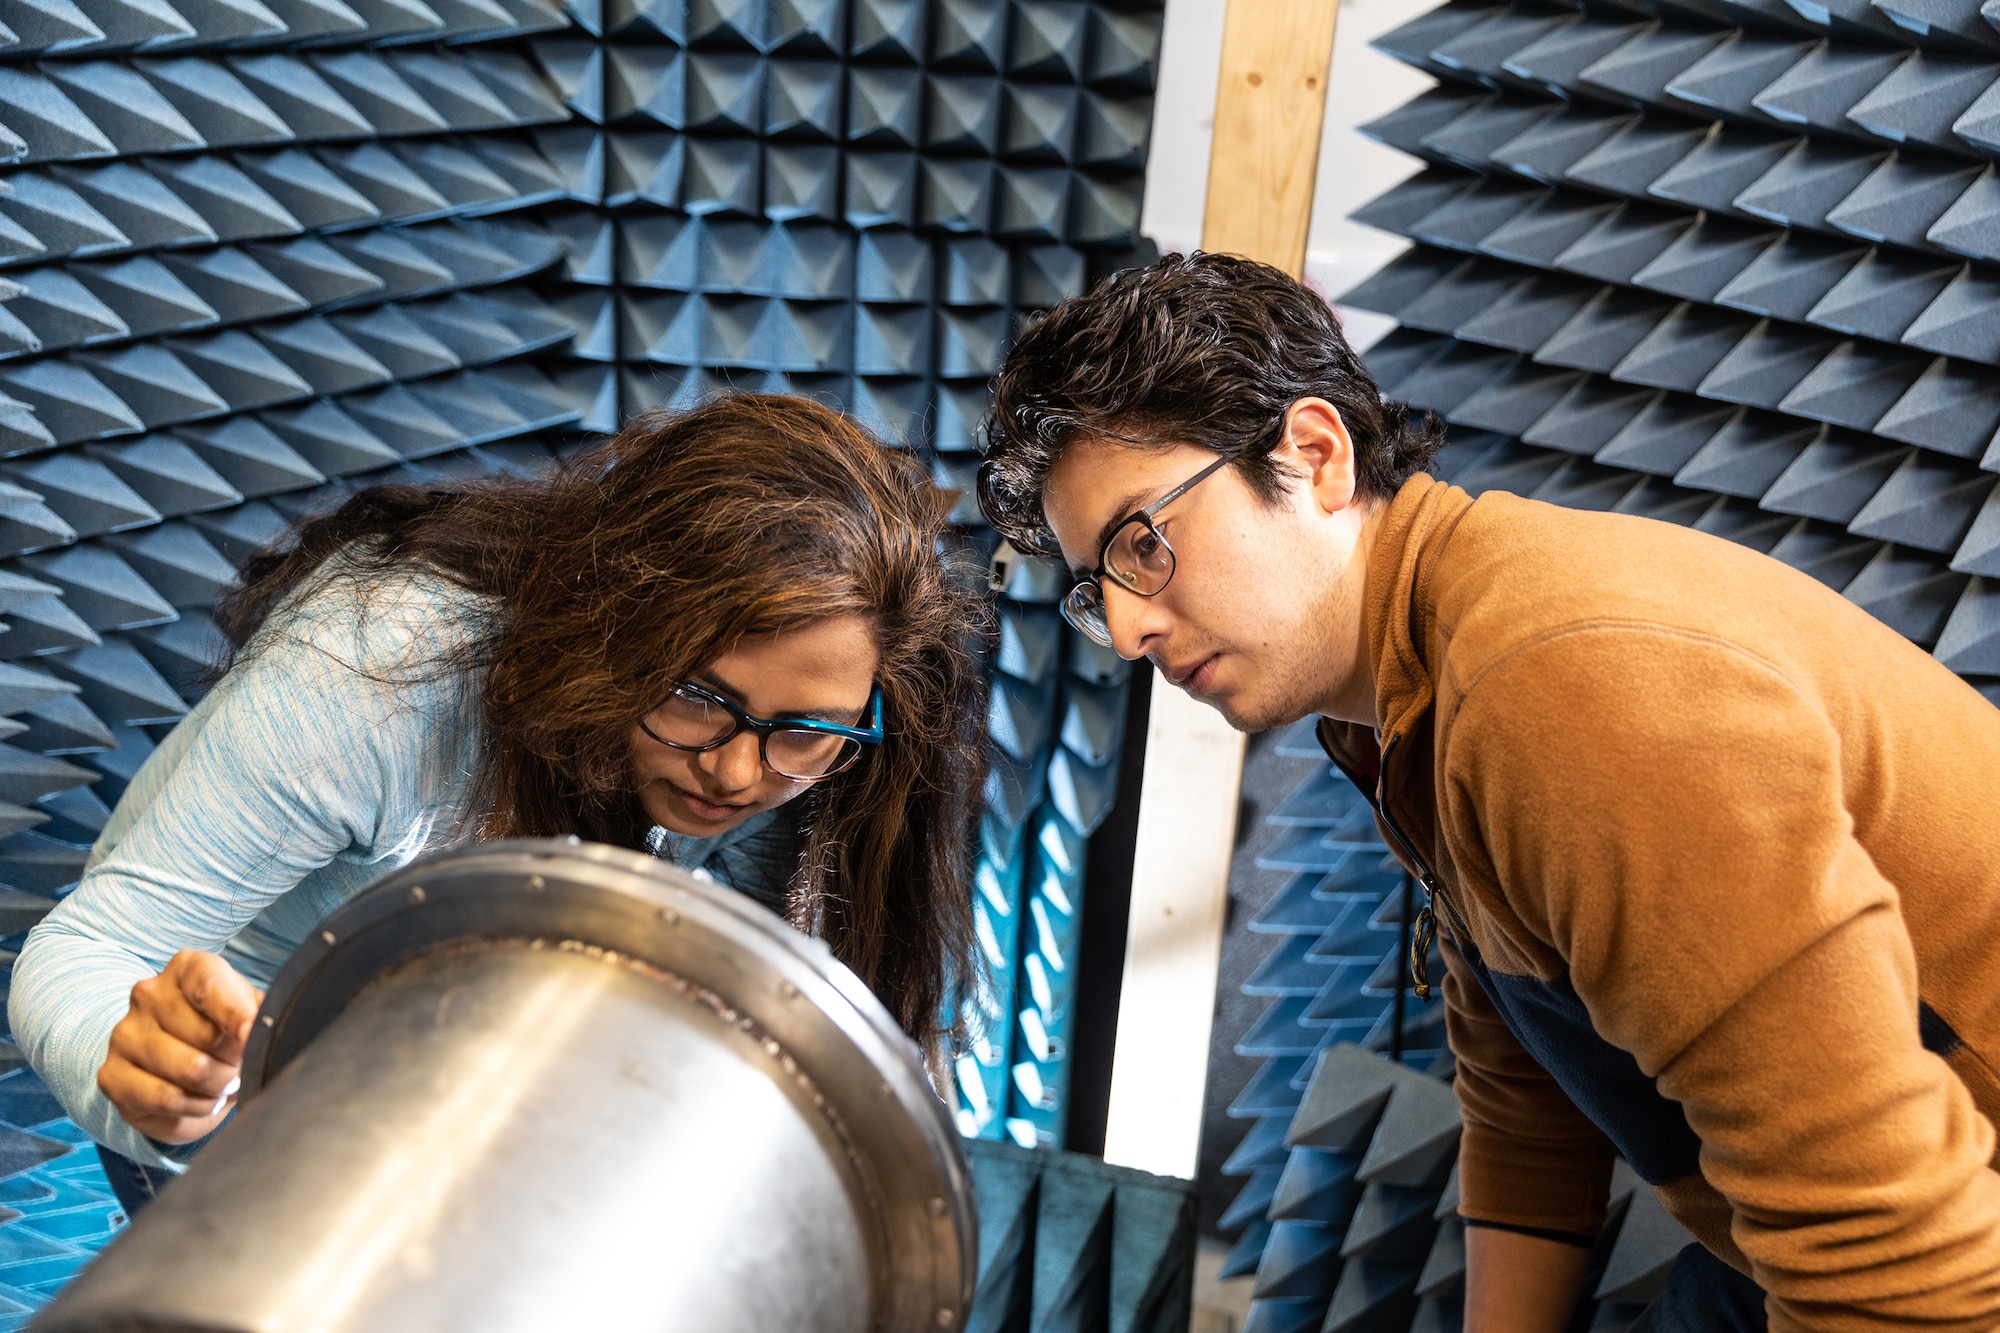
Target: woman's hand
x,y
175,1059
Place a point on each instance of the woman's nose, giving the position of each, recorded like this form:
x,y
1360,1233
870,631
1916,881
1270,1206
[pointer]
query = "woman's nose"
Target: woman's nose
x,y
737,763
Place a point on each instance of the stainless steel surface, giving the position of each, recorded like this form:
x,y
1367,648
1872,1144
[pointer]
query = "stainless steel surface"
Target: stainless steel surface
x,y
558,1086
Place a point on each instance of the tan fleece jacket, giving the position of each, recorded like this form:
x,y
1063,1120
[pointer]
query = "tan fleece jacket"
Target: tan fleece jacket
x,y
1722,851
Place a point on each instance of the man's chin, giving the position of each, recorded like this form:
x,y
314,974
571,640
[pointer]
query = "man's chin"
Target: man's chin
x,y
1236,721
1236,716
1251,716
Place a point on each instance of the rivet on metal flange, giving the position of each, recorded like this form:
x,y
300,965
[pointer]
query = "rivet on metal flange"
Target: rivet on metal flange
x,y
945,1316
326,935
416,893
937,1207
536,884
788,990
268,1021
670,916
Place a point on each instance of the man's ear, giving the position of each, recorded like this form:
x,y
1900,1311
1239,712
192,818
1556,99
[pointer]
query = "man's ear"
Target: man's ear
x,y
1321,452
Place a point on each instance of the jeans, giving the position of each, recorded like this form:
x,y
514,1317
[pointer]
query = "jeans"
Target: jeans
x,y
135,1185
1704,1295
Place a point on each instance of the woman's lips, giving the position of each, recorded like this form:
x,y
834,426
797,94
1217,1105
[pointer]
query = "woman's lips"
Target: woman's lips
x,y
702,808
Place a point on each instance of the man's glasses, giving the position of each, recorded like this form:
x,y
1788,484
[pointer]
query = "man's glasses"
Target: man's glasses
x,y
1136,558
695,717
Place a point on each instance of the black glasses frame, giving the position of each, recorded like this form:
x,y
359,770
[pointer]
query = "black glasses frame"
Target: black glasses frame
x,y
1091,586
764,726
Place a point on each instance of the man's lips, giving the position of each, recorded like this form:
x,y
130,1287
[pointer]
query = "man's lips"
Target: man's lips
x,y
1196,676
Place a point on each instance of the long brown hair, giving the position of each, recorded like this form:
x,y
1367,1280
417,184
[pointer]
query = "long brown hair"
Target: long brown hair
x,y
643,560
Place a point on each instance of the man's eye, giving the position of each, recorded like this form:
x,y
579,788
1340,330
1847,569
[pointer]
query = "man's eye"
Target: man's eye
x,y
1145,545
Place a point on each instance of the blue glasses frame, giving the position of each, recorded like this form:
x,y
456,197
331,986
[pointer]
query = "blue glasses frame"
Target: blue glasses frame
x,y
762,727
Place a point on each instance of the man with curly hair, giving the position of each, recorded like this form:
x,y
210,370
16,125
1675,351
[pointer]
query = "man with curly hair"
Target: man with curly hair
x,y
1709,852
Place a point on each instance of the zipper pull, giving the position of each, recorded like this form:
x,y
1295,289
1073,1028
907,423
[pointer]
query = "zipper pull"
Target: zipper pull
x,y
1424,930
1422,936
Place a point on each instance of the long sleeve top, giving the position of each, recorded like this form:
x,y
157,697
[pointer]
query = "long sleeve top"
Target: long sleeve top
x,y
1718,883
341,747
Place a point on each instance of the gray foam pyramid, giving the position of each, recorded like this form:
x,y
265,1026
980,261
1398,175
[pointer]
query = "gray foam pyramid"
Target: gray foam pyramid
x,y
1068,1244
257,253
1373,1243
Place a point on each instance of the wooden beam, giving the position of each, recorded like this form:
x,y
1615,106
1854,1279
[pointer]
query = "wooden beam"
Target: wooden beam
x,y
1269,107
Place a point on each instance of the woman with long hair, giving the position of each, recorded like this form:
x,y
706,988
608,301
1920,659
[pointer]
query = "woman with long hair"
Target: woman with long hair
x,y
727,636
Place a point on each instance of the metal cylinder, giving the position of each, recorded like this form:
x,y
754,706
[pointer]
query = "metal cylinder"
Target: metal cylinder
x,y
548,1085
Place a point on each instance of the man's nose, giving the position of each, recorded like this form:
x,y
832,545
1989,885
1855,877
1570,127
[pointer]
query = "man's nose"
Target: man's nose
x,y
1138,624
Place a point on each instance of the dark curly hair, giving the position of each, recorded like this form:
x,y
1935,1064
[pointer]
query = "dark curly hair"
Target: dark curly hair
x,y
644,559
1193,349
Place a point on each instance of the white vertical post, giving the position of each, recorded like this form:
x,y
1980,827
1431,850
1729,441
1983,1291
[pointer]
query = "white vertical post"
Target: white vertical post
x,y
1180,888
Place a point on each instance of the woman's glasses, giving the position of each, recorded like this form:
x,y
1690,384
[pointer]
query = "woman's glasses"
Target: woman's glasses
x,y
695,717
1136,558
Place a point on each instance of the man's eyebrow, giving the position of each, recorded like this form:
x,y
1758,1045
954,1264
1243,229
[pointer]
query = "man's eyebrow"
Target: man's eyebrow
x,y
1120,514
839,719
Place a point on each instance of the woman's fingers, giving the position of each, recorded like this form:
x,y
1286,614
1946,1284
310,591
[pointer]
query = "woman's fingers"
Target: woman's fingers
x,y
164,1055
143,1095
218,993
164,1108
160,1002
172,1065
179,1129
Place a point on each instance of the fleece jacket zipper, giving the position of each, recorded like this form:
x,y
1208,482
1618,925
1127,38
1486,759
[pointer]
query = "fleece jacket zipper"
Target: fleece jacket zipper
x,y
1424,933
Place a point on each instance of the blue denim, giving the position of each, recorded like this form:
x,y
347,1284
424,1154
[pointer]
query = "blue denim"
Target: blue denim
x,y
1704,1295
135,1185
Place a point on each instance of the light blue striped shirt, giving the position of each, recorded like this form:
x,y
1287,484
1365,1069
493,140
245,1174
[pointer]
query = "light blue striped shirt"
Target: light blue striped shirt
x,y
335,752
